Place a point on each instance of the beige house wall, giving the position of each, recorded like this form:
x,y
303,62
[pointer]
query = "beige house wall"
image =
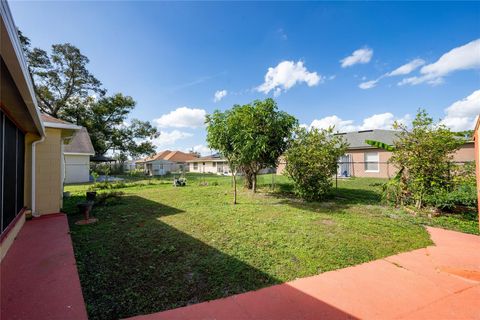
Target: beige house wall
x,y
465,153
48,164
209,167
385,169
27,190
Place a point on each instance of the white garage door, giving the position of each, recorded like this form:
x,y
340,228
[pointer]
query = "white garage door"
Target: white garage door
x,y
77,168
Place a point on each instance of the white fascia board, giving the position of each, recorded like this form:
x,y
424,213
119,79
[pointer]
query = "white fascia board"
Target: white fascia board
x,y
61,125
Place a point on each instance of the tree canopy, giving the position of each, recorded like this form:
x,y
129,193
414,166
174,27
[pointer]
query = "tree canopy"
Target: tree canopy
x,y
67,90
251,136
425,152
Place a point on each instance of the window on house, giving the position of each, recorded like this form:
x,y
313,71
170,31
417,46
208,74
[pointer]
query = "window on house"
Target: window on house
x,y
195,166
214,164
371,162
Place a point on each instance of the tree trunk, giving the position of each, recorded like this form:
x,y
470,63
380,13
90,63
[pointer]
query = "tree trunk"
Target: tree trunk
x,y
234,188
254,182
248,179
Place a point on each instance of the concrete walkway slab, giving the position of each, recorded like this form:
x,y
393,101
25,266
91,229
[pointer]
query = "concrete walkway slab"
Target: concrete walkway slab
x,y
437,282
39,278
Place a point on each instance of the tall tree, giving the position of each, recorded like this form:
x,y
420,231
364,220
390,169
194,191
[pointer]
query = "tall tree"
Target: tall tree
x,y
59,76
65,89
106,121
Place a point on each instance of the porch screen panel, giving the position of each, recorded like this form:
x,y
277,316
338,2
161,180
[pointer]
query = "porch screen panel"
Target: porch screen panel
x,y
12,171
1,168
20,169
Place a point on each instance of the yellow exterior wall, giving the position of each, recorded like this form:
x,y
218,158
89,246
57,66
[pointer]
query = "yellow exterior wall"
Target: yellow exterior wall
x,y
48,166
27,190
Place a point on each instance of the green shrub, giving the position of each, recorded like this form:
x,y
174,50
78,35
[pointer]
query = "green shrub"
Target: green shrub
x,y
312,162
463,195
108,198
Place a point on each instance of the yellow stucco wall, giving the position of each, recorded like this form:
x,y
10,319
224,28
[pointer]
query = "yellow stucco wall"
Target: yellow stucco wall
x,y
27,190
48,173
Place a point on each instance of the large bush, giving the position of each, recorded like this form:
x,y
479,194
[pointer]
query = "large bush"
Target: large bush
x,y
463,190
312,162
424,154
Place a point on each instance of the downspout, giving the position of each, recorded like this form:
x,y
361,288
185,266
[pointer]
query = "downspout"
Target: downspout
x,y
34,179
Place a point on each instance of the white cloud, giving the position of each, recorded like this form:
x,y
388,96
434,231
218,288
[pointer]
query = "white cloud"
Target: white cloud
x,y
461,114
362,56
460,58
219,95
402,70
202,149
170,138
334,121
286,75
368,84
376,121
182,118
407,68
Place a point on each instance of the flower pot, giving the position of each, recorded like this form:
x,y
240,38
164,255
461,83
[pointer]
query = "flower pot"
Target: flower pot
x,y
91,195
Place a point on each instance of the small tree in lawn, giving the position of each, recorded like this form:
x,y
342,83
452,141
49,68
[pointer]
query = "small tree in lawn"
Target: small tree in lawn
x,y
251,137
221,136
262,135
425,153
312,162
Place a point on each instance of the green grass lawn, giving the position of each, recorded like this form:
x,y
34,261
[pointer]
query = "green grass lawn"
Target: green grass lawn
x,y
162,247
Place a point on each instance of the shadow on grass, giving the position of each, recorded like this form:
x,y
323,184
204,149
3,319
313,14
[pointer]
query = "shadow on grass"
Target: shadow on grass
x,y
131,262
339,198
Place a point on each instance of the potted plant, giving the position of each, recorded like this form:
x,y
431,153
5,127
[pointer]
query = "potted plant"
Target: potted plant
x,y
92,190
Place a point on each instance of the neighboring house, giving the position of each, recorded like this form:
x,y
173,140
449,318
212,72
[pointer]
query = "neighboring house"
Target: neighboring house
x,y
364,160
129,165
50,164
77,157
210,164
31,150
165,162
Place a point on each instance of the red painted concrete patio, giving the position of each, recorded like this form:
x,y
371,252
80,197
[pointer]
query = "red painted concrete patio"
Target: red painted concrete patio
x,y
437,282
39,278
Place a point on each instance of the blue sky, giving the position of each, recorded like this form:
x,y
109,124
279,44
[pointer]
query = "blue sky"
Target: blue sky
x,y
331,63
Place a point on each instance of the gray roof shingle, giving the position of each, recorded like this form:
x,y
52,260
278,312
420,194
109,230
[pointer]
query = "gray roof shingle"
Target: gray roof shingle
x,y
356,139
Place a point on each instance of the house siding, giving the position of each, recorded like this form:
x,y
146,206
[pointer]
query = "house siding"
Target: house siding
x,y
77,168
49,184
209,167
162,167
385,169
465,154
